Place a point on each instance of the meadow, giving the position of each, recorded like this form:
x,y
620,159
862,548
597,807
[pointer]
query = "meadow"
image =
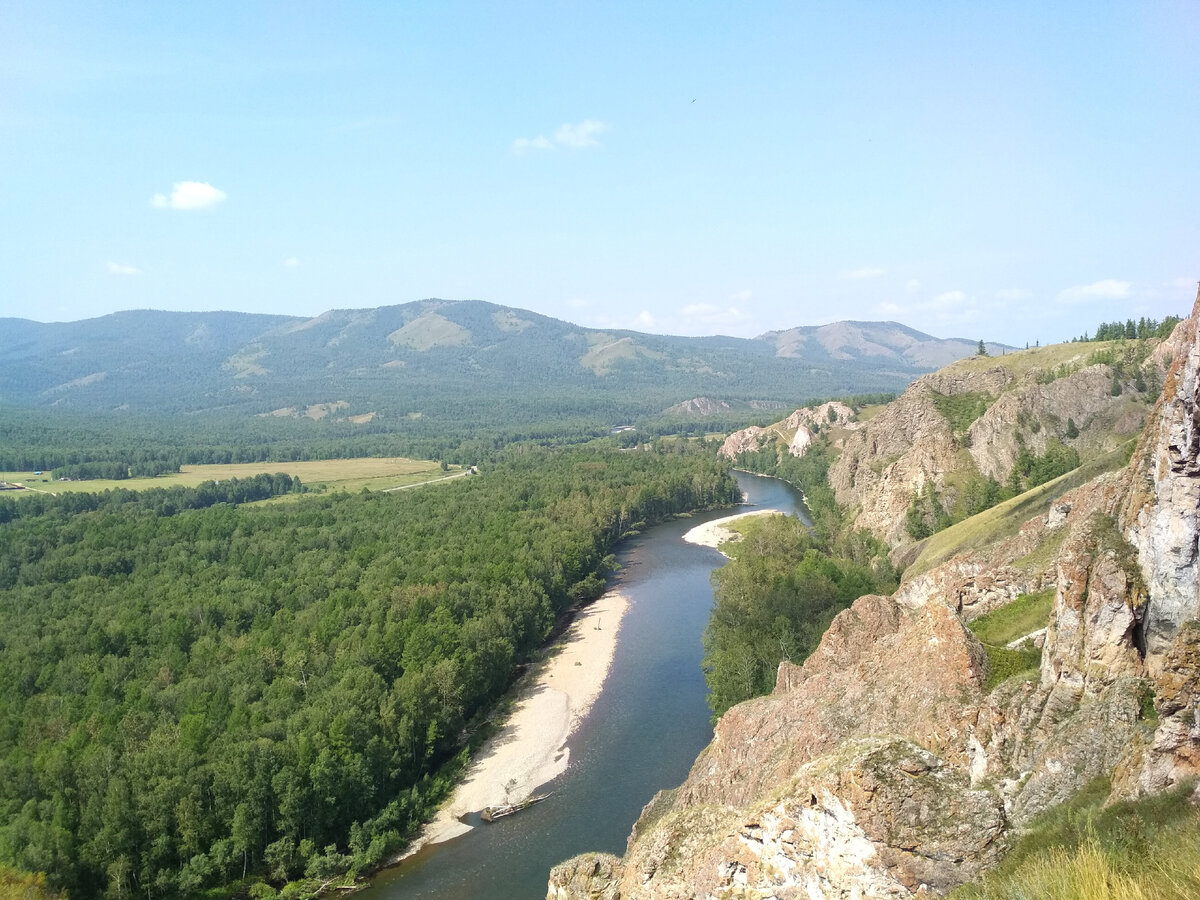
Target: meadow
x,y
373,473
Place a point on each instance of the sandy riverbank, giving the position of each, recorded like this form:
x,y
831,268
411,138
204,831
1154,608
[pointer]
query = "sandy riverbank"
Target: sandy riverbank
x,y
531,747
711,534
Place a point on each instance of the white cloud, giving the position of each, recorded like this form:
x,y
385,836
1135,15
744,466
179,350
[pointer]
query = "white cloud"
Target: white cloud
x,y
1105,289
1012,295
521,145
707,318
741,296
291,262
866,272
1183,282
912,286
122,269
889,309
644,320
574,137
189,195
948,300
581,136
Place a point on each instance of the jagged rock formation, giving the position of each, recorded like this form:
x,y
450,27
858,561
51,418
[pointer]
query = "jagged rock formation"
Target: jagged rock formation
x,y
796,432
1031,398
884,766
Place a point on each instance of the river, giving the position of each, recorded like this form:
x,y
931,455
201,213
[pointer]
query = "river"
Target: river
x,y
642,735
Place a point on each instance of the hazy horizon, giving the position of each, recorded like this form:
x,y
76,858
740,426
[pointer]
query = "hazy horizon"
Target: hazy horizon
x,y
1013,174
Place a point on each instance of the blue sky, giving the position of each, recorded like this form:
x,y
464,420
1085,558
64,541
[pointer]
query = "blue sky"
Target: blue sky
x,y
1011,171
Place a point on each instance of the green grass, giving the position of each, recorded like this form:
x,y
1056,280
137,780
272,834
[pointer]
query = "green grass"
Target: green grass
x,y
1022,362
960,410
1004,664
374,473
1083,850
1005,519
1026,614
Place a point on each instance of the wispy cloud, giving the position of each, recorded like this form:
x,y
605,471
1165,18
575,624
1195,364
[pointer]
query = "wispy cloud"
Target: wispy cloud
x,y
709,316
1012,295
866,272
524,145
948,300
1105,289
572,136
189,195
291,262
742,296
889,309
581,135
644,320
115,268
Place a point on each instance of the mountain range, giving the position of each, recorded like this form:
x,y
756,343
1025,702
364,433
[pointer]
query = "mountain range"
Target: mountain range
x,y
439,359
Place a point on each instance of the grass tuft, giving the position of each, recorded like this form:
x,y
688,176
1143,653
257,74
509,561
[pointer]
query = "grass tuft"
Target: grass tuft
x,y
1143,850
1022,616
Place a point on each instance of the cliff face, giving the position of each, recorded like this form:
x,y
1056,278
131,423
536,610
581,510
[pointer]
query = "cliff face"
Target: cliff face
x,y
971,419
795,433
885,765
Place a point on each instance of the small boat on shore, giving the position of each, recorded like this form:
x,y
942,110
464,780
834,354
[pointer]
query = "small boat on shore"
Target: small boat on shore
x,y
492,813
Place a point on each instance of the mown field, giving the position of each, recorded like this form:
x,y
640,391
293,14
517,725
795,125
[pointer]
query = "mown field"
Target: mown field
x,y
375,473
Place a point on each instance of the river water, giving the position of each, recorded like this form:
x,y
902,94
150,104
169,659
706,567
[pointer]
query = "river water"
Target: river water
x,y
642,735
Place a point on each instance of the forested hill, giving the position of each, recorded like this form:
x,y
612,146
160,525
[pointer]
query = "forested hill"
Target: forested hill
x,y
466,361
193,692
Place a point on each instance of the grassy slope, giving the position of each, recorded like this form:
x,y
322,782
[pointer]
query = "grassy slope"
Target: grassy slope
x,y
1005,519
1083,850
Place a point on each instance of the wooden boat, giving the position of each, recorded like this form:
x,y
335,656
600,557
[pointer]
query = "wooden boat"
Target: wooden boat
x,y
492,813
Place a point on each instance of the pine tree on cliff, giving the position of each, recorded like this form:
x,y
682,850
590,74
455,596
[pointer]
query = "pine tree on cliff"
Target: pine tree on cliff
x,y
982,351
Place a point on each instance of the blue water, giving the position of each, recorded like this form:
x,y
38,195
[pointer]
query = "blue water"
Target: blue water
x,y
643,734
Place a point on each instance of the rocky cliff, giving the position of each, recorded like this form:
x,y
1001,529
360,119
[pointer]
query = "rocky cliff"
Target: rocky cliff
x,y
891,763
971,419
795,433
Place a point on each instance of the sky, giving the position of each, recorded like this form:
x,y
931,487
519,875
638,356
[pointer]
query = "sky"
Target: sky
x,y
1016,172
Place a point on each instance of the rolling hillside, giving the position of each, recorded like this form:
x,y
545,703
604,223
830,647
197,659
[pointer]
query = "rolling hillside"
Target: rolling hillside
x,y
466,360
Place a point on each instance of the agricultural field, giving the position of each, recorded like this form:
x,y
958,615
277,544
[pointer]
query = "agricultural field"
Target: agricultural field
x,y
374,473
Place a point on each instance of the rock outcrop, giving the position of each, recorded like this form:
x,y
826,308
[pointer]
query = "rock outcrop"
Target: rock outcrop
x,y
795,433
971,420
887,765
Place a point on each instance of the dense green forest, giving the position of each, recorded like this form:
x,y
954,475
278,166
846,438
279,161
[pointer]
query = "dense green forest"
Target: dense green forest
x,y
194,691
774,600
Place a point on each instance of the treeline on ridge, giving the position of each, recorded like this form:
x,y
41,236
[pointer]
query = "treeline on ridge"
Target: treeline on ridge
x,y
274,691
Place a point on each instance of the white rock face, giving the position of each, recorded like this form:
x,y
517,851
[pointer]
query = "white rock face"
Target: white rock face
x,y
1165,508
801,442
748,439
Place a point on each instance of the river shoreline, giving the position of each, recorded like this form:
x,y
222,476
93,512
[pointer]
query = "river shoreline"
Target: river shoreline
x,y
530,748
714,533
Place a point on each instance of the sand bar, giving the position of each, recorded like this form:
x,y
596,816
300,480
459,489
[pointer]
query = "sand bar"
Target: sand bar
x,y
712,534
531,747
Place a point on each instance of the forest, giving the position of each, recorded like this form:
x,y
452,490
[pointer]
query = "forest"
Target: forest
x,y
773,601
197,690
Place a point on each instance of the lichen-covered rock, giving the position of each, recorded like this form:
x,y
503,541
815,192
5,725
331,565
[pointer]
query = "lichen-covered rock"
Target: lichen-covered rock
x,y
591,876
1174,752
1162,514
